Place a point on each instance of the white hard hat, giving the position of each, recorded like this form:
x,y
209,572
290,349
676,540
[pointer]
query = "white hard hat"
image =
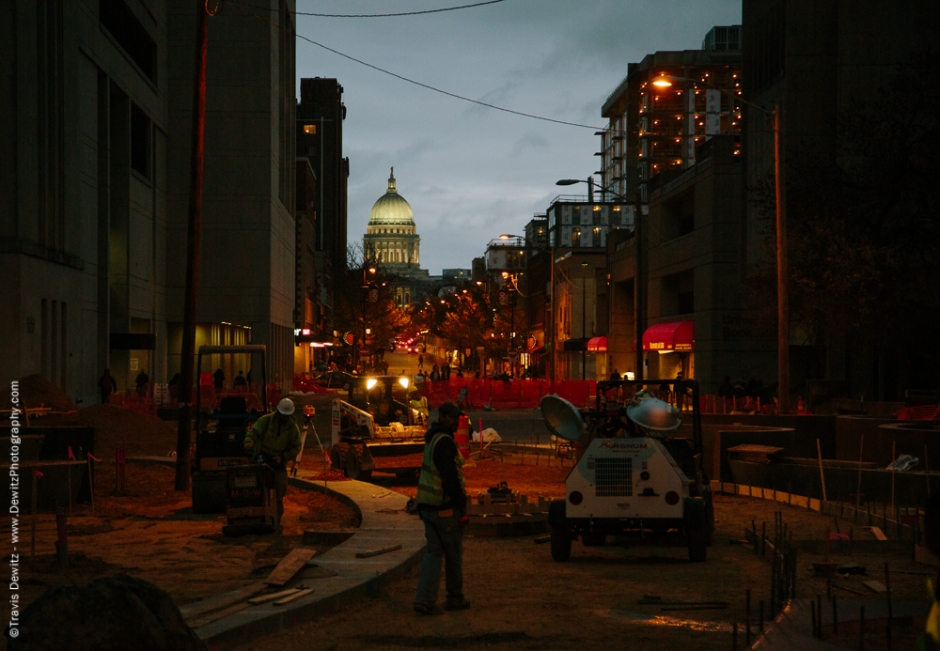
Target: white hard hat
x,y
286,406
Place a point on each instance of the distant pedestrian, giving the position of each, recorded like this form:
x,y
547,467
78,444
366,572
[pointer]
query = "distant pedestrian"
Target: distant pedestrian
x,y
142,383
218,379
435,374
107,385
420,361
240,383
445,371
726,389
615,376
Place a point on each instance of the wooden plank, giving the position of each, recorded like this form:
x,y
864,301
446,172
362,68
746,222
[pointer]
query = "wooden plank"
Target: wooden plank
x,y
290,598
265,598
231,610
875,586
289,566
878,533
213,603
377,552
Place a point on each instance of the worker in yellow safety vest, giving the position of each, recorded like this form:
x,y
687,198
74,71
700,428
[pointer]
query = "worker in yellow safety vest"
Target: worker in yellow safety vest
x,y
275,440
442,505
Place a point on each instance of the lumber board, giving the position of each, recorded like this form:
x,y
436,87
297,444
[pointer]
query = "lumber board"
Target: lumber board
x,y
265,598
289,566
875,586
290,598
377,552
878,533
211,604
219,614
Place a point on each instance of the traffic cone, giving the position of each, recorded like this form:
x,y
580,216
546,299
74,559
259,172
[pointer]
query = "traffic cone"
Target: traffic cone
x,y
462,437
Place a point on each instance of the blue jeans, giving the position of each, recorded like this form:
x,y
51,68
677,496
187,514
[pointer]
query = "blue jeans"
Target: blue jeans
x,y
445,542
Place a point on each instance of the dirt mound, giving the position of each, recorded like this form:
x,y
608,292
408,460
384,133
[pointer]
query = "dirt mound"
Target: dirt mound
x,y
109,613
146,435
37,391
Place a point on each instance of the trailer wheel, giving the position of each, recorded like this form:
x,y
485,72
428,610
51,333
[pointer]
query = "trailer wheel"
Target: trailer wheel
x,y
561,544
354,465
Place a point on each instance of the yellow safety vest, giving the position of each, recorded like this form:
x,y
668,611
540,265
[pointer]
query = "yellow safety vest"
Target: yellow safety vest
x,y
430,486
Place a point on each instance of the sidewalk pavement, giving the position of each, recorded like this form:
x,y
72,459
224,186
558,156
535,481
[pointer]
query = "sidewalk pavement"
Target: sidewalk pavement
x,y
384,524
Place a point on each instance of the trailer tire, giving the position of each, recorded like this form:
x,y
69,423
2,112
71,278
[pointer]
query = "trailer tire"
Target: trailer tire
x,y
561,544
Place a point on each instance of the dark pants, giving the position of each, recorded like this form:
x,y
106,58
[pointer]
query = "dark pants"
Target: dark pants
x,y
444,543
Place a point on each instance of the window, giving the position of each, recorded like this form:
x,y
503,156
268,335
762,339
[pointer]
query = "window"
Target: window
x,y
140,141
678,295
117,18
310,129
679,215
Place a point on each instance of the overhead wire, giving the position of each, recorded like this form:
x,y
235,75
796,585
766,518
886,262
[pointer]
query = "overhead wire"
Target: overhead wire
x,y
394,15
413,81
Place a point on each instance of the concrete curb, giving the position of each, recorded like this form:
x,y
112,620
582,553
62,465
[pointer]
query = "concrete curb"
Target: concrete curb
x,y
384,523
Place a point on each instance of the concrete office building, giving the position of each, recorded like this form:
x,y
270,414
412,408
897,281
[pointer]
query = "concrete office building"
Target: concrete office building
x,y
94,186
320,116
659,148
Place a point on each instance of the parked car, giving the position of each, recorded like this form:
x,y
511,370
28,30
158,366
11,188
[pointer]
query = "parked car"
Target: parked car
x,y
336,380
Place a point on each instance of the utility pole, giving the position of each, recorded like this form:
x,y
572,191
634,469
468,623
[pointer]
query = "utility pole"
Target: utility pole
x,y
197,155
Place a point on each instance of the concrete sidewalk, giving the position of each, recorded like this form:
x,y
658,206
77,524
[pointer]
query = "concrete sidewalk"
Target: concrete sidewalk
x,y
384,524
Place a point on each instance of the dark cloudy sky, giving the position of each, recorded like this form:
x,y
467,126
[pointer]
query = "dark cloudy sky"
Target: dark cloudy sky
x,y
471,173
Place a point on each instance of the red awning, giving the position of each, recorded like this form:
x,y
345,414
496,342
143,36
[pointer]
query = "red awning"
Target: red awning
x,y
677,335
535,350
597,345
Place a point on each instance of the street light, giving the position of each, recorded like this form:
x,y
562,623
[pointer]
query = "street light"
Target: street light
x,y
551,296
638,296
783,307
583,326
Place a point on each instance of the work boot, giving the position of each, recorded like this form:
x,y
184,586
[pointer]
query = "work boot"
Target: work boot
x,y
456,604
424,608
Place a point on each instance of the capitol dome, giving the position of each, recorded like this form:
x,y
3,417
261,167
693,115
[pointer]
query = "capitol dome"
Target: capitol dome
x,y
391,208
391,237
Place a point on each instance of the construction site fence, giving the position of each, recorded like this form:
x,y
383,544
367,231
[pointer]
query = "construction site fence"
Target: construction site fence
x,y
155,396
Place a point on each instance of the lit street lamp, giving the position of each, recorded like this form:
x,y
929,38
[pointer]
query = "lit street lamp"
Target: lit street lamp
x,y
583,325
783,308
638,295
550,325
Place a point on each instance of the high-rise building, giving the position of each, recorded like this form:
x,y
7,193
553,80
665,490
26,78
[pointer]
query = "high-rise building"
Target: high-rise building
x,y
655,129
94,188
320,115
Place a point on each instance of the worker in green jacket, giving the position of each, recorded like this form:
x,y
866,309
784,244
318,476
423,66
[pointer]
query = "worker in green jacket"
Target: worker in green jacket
x,y
275,438
442,505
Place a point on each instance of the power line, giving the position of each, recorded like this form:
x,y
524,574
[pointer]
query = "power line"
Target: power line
x,y
404,13
407,13
421,84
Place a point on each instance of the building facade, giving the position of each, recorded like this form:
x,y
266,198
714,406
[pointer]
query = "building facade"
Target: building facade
x,y
95,188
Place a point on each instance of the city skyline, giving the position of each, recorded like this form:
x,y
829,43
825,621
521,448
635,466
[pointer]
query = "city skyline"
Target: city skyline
x,y
470,172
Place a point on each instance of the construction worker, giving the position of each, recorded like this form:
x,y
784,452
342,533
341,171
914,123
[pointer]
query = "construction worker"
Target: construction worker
x,y
442,505
275,439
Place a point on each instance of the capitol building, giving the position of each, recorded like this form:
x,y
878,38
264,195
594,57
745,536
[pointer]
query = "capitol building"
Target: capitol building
x,y
392,240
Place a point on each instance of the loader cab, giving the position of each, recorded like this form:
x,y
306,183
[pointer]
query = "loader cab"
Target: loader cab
x,y
385,397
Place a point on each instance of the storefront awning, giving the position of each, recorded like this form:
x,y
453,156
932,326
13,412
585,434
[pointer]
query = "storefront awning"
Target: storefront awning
x,y
597,345
677,335
574,345
536,350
